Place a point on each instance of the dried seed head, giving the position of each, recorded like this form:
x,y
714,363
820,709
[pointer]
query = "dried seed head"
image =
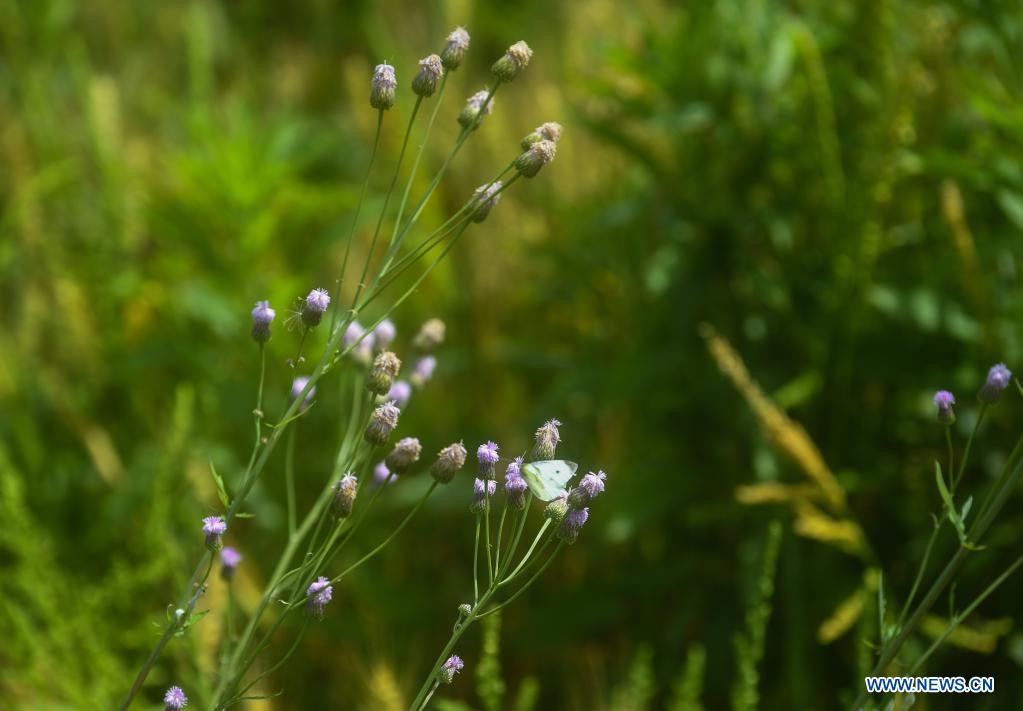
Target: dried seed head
x,y
515,59
550,131
547,438
381,94
214,527
455,48
514,485
430,71
480,494
484,200
405,453
449,460
382,423
476,107
318,594
452,666
944,400
344,496
229,560
430,335
539,154
998,379
572,524
385,370
314,306
262,317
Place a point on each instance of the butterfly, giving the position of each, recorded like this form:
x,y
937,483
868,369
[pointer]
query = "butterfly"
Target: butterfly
x,y
547,479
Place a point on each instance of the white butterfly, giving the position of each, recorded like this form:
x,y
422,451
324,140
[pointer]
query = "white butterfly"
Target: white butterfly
x,y
547,479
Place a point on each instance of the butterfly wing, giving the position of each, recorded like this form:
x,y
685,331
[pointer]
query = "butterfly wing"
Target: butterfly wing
x,y
548,478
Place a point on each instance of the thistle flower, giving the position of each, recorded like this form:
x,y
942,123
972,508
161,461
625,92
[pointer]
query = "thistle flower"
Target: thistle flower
x,y
514,485
997,380
262,317
174,699
400,392
381,474
318,594
452,666
547,438
944,401
484,199
385,370
487,456
381,94
353,332
514,61
549,131
422,371
572,524
360,343
382,423
536,157
430,71
344,496
383,334
455,48
229,560
557,509
314,306
405,453
430,335
449,460
214,527
297,386
479,494
476,107
588,488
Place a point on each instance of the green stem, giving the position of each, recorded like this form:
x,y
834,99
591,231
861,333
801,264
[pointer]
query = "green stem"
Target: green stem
x,y
289,479
475,563
529,552
537,574
969,443
500,535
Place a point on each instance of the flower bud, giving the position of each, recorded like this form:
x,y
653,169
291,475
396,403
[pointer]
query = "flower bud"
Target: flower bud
x,y
381,94
487,456
455,48
382,422
452,666
547,438
297,386
383,334
360,342
476,108
400,392
514,61
344,496
997,380
449,460
589,487
385,370
381,474
572,524
539,154
430,335
405,453
557,509
430,71
318,595
229,560
422,371
214,527
944,400
480,494
514,485
262,317
315,304
550,131
484,200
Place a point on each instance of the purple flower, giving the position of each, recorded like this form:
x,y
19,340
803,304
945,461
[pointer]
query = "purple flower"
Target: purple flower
x,y
572,524
588,488
384,334
381,474
214,527
449,460
997,380
382,423
297,386
352,334
361,350
344,496
318,594
488,457
314,306
945,400
229,560
262,317
480,494
452,666
400,393
174,699
405,453
422,371
547,438
514,485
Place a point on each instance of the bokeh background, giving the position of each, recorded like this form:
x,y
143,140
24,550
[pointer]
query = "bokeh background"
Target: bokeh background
x,y
833,189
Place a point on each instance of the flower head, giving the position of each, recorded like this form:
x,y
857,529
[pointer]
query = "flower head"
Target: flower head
x,y
229,560
572,524
385,370
431,335
485,198
262,317
557,509
515,59
430,71
449,460
476,108
297,386
174,699
588,488
381,94
514,485
400,393
998,379
452,666
382,423
481,494
313,307
455,48
547,439
360,342
422,371
944,401
214,527
318,594
381,474
384,333
549,131
405,453
536,157
487,456
344,496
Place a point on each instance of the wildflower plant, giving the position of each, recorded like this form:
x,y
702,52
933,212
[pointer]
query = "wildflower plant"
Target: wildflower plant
x,y
378,381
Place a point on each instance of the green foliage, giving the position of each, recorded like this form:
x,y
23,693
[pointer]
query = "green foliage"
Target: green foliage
x,y
490,685
750,645
689,685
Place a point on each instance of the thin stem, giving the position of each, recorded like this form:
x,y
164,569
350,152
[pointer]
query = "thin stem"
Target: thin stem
x,y
429,696
500,535
488,551
951,459
289,479
529,582
919,573
969,443
522,525
475,563
529,552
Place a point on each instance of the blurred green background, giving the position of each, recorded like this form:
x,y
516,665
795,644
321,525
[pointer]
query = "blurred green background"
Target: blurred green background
x,y
836,188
